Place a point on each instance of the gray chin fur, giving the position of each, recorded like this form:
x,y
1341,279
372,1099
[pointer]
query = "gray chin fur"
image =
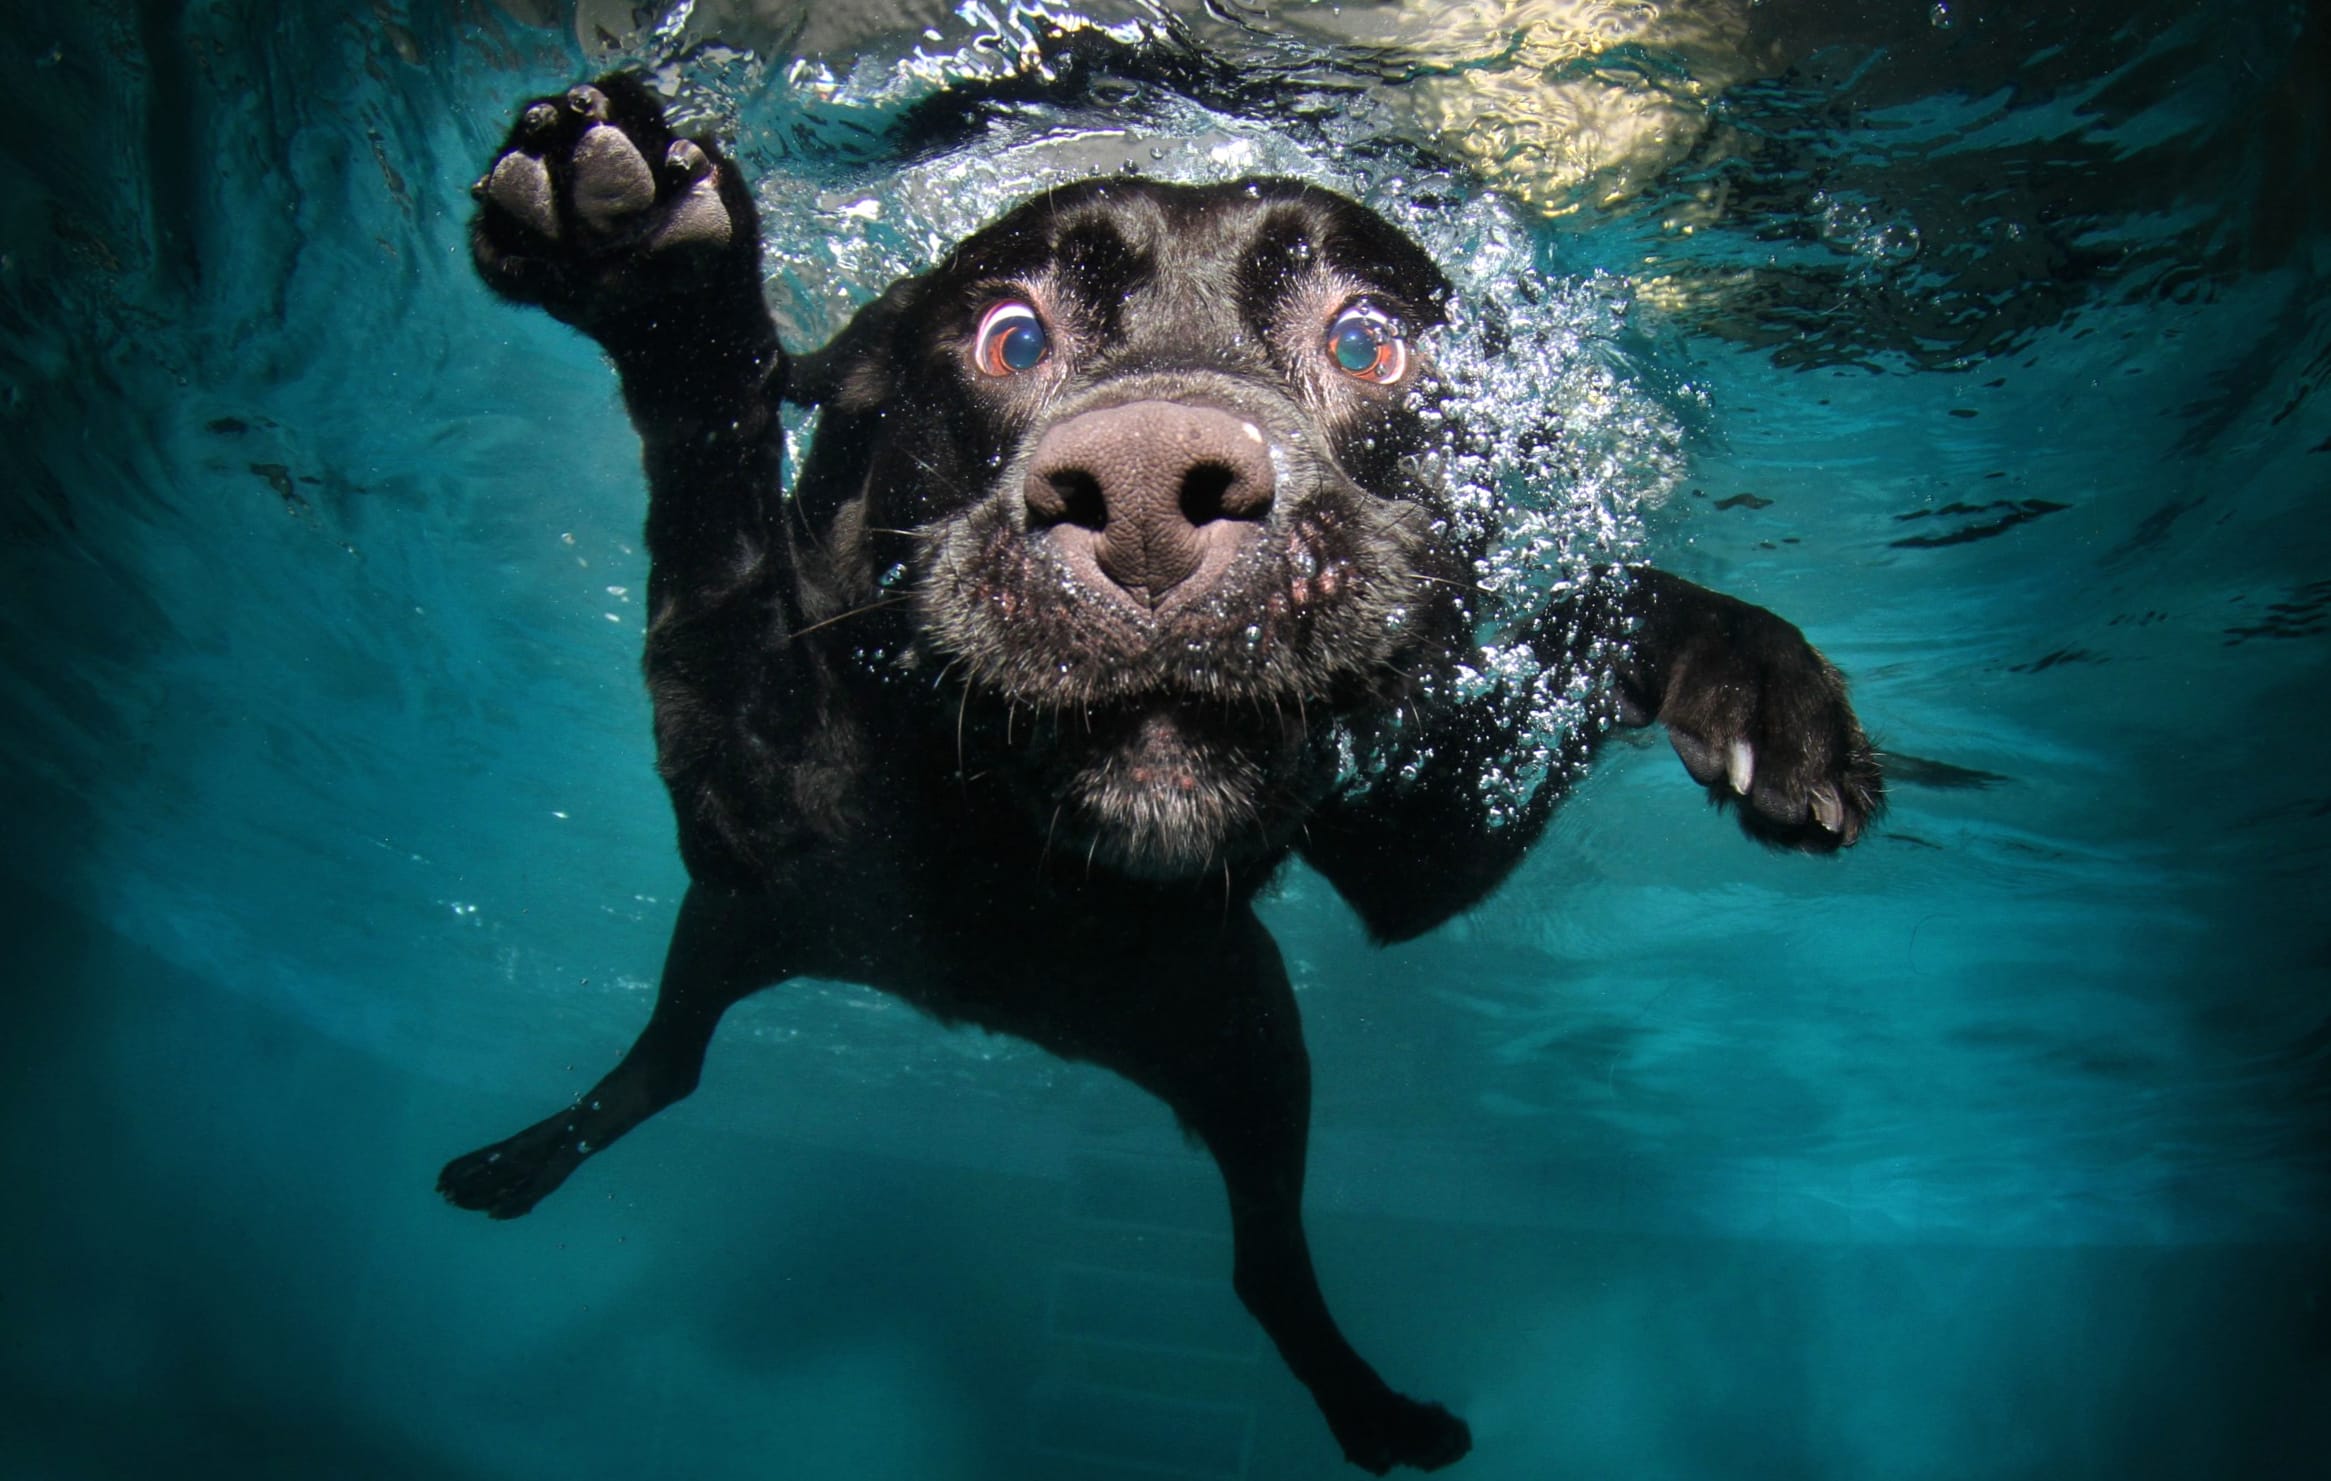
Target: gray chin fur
x,y
1157,837
1165,804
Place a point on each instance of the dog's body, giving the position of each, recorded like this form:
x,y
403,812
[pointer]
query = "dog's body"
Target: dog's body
x,y
1110,557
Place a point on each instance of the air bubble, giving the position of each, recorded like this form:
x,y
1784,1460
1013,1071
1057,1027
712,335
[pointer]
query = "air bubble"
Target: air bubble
x,y
1554,443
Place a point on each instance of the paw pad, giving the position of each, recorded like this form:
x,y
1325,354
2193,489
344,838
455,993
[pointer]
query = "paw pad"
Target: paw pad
x,y
593,209
520,185
612,183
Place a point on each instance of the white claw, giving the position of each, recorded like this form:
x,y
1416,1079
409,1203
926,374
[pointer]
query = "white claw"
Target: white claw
x,y
1827,810
685,160
1740,766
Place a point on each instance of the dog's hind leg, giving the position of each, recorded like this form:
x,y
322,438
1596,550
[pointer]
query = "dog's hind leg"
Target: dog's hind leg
x,y
718,955
1238,1076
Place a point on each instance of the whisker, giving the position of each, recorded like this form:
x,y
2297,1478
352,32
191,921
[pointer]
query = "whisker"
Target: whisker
x,y
853,612
810,532
961,710
953,486
1445,581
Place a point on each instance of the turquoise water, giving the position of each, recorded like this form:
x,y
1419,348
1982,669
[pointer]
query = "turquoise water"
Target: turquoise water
x,y
1987,343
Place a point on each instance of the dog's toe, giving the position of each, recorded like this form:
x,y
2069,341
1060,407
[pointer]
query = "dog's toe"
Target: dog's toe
x,y
612,181
520,186
594,210
1400,1431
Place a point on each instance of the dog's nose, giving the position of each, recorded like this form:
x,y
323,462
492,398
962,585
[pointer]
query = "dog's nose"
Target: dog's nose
x,y
1163,489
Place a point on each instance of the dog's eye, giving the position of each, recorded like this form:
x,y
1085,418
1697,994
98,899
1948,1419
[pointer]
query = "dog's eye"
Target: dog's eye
x,y
1366,345
1011,340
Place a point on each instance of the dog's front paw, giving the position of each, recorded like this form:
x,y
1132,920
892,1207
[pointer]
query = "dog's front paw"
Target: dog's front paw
x,y
596,211
1396,1430
1760,718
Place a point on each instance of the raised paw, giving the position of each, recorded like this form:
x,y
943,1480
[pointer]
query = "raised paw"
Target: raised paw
x,y
1766,726
1760,719
596,211
1400,1431
510,1177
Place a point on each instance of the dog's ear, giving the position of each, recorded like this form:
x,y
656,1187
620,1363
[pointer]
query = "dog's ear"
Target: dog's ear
x,y
857,370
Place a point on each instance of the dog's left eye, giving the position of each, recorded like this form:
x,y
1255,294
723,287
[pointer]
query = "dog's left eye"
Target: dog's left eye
x,y
1011,340
1366,345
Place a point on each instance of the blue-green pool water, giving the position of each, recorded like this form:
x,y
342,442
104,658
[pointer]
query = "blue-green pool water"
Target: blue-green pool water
x,y
1989,343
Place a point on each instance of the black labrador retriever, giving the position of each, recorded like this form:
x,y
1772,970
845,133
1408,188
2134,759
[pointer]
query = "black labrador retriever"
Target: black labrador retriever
x,y
1116,574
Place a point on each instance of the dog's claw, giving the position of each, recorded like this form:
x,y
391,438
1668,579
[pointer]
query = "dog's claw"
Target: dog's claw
x,y
1828,811
588,102
684,161
537,121
1761,720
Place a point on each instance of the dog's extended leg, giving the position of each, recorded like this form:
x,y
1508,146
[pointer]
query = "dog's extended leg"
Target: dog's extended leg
x,y
718,955
1244,1086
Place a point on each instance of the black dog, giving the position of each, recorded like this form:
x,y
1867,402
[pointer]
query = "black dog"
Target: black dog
x,y
1113,578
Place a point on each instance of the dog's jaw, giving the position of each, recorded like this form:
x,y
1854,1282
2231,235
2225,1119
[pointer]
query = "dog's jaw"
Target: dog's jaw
x,y
1163,744
1165,797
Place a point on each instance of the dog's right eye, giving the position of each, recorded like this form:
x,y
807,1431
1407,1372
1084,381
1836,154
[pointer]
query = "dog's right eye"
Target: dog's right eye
x,y
1011,340
1366,343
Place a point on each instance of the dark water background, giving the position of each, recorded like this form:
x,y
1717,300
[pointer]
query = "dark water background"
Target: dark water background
x,y
1988,342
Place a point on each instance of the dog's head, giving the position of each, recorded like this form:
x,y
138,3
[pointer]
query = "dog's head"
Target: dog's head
x,y
1146,457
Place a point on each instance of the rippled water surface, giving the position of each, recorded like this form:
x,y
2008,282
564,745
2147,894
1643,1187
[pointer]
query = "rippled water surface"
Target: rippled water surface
x,y
1986,342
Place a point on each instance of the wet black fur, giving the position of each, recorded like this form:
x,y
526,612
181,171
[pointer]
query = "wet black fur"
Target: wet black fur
x,y
908,747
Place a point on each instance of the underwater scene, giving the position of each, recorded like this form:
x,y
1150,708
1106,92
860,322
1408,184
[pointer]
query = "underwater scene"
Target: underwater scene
x,y
1988,343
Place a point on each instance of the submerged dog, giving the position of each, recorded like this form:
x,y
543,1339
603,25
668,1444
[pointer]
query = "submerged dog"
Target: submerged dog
x,y
1115,575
